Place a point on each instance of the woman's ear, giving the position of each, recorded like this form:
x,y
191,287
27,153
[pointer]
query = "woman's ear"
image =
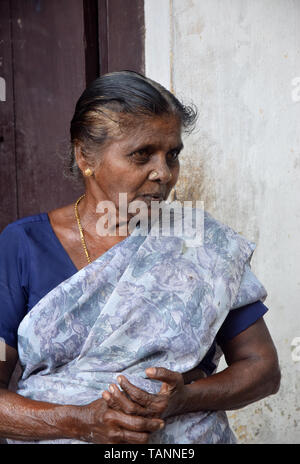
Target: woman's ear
x,y
80,158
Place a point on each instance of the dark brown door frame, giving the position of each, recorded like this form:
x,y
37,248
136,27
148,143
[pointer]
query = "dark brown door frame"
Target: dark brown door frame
x,y
114,35
121,30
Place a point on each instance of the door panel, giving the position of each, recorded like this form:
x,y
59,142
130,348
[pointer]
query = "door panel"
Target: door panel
x,y
8,183
121,31
49,51
49,75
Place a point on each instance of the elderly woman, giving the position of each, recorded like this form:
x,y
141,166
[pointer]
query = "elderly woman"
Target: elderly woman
x,y
119,335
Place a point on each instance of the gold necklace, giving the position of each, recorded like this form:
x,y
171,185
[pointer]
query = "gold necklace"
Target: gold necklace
x,y
81,230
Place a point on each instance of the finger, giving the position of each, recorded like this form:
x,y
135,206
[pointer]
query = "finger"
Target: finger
x,y
127,436
120,401
111,401
154,404
135,437
136,394
106,395
165,375
117,435
133,423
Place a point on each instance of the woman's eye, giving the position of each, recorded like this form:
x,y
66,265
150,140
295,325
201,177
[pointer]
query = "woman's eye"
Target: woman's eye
x,y
141,155
173,155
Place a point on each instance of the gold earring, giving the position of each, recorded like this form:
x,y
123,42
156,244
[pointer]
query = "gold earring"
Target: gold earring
x,y
88,172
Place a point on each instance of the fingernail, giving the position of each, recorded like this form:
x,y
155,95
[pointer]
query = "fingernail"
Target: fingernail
x,y
162,425
159,424
119,379
151,371
111,388
106,395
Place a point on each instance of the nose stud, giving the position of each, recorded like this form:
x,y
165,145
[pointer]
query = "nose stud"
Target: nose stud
x,y
154,174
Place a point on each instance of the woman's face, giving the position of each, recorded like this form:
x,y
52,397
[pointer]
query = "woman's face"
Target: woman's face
x,y
152,144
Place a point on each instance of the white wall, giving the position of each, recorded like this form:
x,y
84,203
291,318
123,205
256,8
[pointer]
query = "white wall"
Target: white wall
x,y
237,60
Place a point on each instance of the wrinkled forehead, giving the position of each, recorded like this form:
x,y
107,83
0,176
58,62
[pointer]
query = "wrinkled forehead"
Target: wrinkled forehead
x,y
163,132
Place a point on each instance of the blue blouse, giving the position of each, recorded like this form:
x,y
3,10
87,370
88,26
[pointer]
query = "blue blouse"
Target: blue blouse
x,y
33,262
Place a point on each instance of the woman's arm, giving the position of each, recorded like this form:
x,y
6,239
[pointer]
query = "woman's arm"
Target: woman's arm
x,y
25,419
252,373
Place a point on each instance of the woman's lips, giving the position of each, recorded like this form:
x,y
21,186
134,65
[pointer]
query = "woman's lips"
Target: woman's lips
x,y
151,197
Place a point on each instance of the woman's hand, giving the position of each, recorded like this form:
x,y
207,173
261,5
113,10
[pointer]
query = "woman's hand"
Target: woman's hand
x,y
252,374
133,400
102,424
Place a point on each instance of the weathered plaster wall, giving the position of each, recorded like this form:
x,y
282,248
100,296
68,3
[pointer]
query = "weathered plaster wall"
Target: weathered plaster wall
x,y
237,61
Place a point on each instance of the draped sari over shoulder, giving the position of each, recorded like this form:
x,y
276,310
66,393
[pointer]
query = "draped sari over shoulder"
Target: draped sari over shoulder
x,y
148,301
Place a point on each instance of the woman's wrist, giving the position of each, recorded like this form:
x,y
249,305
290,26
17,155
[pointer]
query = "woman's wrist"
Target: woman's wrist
x,y
179,403
190,399
70,422
76,422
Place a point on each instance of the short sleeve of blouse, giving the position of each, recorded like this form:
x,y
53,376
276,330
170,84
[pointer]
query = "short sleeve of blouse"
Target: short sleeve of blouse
x,y
13,282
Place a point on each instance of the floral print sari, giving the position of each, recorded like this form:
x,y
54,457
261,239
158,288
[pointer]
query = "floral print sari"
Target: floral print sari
x,y
148,301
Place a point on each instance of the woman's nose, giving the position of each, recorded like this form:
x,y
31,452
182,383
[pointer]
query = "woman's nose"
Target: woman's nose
x,y
160,172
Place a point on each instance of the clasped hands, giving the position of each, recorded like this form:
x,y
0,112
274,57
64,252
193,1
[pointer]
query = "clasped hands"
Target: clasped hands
x,y
131,414
134,401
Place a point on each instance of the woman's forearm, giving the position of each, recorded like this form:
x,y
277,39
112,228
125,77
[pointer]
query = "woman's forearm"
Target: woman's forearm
x,y
238,385
25,419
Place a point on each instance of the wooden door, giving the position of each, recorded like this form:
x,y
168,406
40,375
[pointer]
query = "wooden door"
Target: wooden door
x,y
49,51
